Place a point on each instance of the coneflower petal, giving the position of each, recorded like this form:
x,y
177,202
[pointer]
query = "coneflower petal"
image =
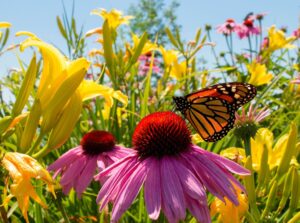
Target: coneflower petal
x,y
199,209
129,190
172,193
73,171
152,189
66,159
86,175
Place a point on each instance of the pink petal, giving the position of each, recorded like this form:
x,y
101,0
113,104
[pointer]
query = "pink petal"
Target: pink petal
x,y
111,169
228,164
129,190
110,188
86,176
152,189
190,184
172,193
73,171
66,159
198,210
66,188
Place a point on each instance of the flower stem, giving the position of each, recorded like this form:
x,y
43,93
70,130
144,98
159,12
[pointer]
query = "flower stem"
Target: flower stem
x,y
247,146
61,208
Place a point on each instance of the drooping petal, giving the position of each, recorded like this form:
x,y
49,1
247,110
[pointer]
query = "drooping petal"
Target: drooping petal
x,y
199,209
152,189
73,171
190,184
66,159
130,190
86,175
111,187
172,193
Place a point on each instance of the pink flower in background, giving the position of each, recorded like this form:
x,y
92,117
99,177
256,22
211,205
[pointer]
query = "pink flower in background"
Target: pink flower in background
x,y
227,28
247,28
97,150
145,62
265,43
296,33
175,173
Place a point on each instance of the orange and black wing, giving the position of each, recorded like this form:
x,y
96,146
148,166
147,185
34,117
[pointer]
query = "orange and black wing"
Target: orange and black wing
x,y
211,111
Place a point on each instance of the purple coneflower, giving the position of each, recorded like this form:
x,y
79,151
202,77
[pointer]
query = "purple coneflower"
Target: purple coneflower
x,y
175,173
97,150
296,33
227,28
247,28
145,64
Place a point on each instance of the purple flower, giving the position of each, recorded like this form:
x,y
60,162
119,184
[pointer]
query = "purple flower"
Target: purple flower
x,y
97,150
174,172
247,28
227,28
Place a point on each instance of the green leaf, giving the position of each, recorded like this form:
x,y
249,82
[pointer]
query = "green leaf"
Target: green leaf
x,y
197,37
26,88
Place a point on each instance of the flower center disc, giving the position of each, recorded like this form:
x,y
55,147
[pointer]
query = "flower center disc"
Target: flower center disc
x,y
96,142
161,133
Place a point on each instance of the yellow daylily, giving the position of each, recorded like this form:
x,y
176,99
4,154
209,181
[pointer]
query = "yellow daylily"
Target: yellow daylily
x,y
148,47
259,75
22,168
61,82
264,138
277,39
179,70
169,56
115,17
4,25
196,138
234,153
227,211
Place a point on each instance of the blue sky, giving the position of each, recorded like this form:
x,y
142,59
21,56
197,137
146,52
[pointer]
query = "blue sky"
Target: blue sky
x,y
39,18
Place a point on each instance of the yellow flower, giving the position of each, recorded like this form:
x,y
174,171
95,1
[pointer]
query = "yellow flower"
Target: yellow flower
x,y
277,40
264,138
148,47
196,138
259,75
228,212
179,70
114,17
4,25
22,168
169,56
62,82
234,153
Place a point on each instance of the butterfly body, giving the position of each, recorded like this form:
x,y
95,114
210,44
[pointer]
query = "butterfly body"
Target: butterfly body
x,y
211,111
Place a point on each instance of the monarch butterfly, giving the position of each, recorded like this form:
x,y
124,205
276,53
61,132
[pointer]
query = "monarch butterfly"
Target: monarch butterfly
x,y
211,110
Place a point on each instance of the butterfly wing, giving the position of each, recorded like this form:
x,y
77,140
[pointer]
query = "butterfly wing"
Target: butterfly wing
x,y
211,111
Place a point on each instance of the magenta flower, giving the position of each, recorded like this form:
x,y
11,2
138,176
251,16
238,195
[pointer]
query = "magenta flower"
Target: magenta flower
x,y
145,63
247,28
227,28
97,150
296,33
175,173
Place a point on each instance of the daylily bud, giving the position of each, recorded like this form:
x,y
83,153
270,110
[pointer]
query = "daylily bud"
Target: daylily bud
x,y
264,167
61,97
30,126
289,151
286,189
271,199
294,195
63,128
